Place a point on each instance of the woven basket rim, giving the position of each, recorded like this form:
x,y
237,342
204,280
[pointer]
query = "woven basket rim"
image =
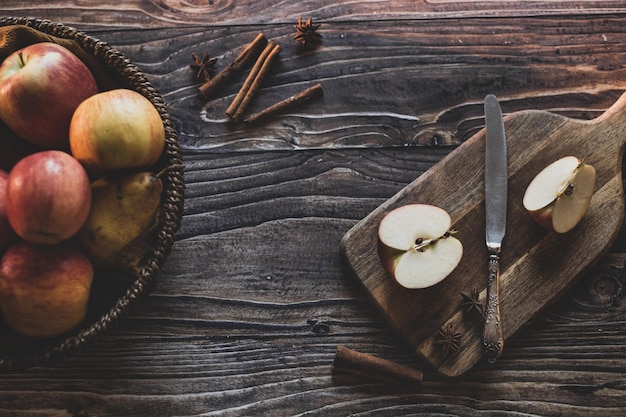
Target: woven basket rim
x,y
171,210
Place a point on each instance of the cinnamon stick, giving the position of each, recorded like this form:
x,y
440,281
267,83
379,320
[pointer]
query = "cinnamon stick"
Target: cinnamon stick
x,y
254,72
371,367
286,104
256,83
245,58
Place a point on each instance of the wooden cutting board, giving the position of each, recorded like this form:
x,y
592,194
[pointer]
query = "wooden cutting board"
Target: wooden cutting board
x,y
536,266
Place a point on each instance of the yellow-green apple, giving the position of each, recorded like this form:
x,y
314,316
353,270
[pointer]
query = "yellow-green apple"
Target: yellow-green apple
x,y
40,87
44,289
559,195
48,197
416,246
116,129
7,235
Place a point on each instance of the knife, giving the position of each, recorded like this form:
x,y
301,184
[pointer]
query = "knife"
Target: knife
x,y
495,208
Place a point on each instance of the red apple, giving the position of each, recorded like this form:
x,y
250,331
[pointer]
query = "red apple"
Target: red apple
x,y
48,197
116,129
44,289
40,87
7,235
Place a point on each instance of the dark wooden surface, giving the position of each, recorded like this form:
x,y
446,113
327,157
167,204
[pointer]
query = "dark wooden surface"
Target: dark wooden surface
x,y
255,298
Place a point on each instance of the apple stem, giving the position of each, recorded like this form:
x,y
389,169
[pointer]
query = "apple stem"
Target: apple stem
x,y
21,56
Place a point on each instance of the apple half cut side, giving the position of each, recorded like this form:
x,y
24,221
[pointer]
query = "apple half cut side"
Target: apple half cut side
x,y
559,195
416,246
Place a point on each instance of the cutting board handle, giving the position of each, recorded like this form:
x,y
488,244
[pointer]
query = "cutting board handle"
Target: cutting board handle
x,y
609,129
614,114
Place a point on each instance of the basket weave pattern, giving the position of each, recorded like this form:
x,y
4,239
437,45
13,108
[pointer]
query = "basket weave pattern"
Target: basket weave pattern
x,y
170,212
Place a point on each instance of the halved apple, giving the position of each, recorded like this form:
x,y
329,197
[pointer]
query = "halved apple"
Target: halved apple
x,y
416,246
558,197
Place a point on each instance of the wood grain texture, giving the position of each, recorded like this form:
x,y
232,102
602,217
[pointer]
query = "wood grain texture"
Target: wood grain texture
x,y
389,85
254,298
168,13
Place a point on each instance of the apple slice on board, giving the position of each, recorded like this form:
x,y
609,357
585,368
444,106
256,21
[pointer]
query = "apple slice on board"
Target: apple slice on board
x,y
558,197
416,246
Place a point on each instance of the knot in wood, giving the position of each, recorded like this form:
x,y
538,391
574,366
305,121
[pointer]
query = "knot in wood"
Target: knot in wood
x,y
605,289
601,291
319,327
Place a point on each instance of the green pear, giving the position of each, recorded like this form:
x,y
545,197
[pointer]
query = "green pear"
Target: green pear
x,y
123,210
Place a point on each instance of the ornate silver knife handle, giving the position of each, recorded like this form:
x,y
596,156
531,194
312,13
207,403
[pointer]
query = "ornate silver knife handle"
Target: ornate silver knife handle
x,y
493,339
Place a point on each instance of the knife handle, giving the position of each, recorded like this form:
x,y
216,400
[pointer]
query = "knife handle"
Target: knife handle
x,y
493,340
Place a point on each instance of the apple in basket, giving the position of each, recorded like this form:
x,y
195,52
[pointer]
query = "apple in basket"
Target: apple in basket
x,y
558,197
44,289
48,197
116,129
40,87
416,246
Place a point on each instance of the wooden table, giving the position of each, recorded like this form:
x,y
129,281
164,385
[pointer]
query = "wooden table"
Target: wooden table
x,y
254,298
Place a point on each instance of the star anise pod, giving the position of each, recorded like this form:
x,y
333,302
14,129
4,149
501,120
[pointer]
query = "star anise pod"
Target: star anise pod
x,y
306,32
205,67
449,340
471,303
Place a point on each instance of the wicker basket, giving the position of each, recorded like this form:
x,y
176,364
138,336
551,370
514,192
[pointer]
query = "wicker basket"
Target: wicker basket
x,y
114,300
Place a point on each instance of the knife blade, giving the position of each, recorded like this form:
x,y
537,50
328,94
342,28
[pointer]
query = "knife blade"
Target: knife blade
x,y
496,180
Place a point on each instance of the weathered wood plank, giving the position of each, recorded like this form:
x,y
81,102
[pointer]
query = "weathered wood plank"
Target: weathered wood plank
x,y
388,85
169,13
